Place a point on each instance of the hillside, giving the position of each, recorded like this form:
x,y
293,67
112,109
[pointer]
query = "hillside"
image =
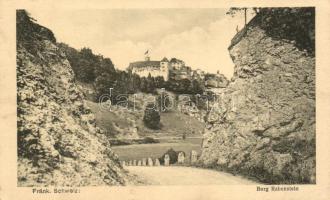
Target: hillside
x,y
128,123
266,124
58,141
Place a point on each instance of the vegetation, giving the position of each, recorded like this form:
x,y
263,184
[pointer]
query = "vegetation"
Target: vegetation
x,y
164,102
151,117
185,86
28,33
100,71
172,154
294,24
145,140
116,124
86,65
157,150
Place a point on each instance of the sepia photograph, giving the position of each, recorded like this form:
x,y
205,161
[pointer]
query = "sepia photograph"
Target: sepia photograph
x,y
168,96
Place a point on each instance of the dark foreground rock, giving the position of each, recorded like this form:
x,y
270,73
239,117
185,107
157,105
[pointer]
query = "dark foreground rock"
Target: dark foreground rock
x,y
264,122
58,142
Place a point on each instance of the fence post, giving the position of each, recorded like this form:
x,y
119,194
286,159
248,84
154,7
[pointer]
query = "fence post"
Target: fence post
x,y
144,162
157,163
193,156
166,160
181,158
150,163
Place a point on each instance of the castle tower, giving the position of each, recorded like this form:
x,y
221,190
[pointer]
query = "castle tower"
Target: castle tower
x,y
147,58
164,67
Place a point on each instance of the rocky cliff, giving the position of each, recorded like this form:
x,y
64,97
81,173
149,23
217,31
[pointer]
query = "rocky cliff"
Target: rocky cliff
x,y
264,122
58,142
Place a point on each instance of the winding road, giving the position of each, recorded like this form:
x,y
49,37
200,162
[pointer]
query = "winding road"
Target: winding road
x,y
176,175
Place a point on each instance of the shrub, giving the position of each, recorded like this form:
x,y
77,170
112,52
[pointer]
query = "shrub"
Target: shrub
x,y
173,156
149,140
151,117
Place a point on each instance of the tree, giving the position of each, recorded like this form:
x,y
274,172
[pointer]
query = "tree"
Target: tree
x,y
292,24
184,85
234,10
196,87
159,82
136,83
143,84
105,66
151,117
150,88
121,83
172,154
130,83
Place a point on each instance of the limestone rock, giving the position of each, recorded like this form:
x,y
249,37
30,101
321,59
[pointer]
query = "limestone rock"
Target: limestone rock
x,y
58,141
265,124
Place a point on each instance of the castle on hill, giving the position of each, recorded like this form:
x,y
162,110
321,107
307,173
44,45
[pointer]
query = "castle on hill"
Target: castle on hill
x,y
174,68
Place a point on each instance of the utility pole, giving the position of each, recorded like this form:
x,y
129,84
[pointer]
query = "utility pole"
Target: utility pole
x,y
245,16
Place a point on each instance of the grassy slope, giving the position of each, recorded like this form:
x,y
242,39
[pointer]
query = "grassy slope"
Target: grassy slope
x,y
108,120
174,124
136,152
118,122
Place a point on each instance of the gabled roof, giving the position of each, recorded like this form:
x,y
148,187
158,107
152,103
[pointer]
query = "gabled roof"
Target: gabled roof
x,y
164,60
175,60
141,64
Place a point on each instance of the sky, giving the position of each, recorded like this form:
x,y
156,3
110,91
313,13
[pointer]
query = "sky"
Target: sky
x,y
200,37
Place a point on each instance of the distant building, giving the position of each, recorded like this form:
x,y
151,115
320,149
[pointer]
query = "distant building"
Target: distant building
x,y
198,74
154,68
175,68
176,64
216,80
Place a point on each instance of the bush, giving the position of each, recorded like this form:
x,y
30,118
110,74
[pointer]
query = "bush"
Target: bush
x,y
151,117
149,140
173,156
146,140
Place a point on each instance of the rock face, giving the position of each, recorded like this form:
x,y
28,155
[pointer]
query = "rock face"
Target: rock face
x,y
264,122
58,142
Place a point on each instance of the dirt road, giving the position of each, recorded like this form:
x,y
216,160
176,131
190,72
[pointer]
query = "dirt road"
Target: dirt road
x,y
175,175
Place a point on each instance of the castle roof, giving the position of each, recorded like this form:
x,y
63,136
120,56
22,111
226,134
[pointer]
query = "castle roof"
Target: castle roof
x,y
175,60
142,64
164,60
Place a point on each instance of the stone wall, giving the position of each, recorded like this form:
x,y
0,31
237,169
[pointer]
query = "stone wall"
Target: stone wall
x,y
58,141
154,72
264,122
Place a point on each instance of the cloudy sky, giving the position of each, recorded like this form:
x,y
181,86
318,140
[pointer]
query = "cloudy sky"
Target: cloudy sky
x,y
200,37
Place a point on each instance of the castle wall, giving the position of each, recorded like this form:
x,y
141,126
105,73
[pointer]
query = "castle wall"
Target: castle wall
x,y
144,72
